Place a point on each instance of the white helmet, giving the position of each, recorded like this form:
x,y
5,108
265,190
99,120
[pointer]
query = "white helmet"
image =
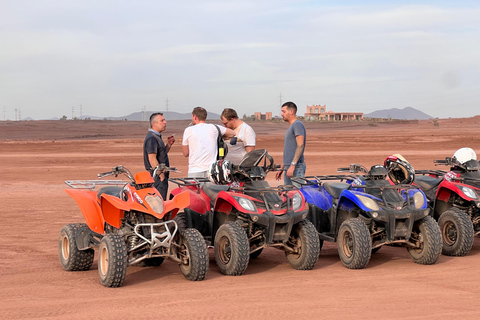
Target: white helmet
x,y
220,172
463,155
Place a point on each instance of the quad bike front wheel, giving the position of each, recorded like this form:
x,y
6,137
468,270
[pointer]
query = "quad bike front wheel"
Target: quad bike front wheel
x,y
112,261
457,232
231,249
354,244
427,233
304,239
194,255
71,258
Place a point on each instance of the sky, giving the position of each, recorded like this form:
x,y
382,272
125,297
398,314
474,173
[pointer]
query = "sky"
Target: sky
x,y
115,57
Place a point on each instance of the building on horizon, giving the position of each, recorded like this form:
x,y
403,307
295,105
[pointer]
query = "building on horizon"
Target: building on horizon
x,y
267,116
319,113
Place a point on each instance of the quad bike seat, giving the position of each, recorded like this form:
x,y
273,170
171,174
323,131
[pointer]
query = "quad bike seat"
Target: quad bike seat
x,y
427,182
110,190
212,190
335,188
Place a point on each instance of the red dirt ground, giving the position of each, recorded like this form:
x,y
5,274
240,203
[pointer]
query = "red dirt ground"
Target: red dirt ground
x,y
37,157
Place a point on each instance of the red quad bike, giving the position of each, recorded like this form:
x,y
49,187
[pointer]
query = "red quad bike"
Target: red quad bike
x,y
129,224
454,197
241,221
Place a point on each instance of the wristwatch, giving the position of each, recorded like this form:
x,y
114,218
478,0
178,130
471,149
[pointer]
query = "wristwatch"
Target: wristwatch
x,y
293,163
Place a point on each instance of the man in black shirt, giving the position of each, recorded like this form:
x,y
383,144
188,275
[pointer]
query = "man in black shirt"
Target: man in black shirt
x,y
155,151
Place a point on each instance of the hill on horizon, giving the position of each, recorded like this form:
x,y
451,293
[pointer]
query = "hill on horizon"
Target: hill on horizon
x,y
137,116
407,113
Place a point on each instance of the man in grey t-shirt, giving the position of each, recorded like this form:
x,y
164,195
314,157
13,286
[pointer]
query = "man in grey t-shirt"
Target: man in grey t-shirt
x,y
294,145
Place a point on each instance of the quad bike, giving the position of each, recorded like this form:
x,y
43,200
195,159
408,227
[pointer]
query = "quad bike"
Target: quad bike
x,y
364,212
455,202
129,224
239,221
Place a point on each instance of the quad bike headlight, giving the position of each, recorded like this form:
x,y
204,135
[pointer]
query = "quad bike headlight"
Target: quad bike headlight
x,y
246,204
296,201
469,192
369,202
418,200
155,202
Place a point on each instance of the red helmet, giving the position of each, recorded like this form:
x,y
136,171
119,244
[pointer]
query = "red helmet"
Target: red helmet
x,y
400,171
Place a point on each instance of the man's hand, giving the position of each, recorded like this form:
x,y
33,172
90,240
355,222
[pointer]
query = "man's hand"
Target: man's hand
x,y
290,171
171,140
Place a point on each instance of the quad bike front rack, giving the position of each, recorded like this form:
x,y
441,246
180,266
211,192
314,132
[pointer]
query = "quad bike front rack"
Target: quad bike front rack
x,y
91,184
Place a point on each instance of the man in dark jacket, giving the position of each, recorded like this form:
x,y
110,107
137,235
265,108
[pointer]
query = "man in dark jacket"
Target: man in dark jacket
x,y
155,151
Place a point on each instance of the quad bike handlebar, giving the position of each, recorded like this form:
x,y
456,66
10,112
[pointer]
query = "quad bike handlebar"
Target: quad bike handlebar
x,y
354,168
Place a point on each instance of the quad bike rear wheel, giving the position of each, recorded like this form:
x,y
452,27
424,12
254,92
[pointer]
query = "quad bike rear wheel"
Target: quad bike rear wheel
x,y
71,258
193,252
354,244
231,249
304,239
457,232
427,233
112,261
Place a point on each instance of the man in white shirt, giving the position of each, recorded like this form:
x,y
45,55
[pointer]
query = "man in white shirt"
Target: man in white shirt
x,y
244,133
200,143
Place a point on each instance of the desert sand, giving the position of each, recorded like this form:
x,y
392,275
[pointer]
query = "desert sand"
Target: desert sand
x,y
36,158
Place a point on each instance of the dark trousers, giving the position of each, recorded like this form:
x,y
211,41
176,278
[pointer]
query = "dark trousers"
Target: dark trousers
x,y
161,186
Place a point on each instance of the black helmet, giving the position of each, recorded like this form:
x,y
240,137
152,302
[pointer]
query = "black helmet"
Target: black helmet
x,y
400,171
220,172
377,172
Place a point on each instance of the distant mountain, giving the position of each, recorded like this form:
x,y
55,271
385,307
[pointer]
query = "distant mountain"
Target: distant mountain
x,y
169,115
407,113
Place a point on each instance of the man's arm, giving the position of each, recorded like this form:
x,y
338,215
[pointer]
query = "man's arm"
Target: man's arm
x,y
229,134
185,150
152,158
299,149
249,148
296,157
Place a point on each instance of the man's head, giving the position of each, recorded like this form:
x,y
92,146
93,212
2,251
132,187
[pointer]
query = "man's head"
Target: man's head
x,y
199,114
158,122
227,116
289,111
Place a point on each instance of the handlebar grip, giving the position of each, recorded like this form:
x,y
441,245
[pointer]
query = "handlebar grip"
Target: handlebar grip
x,y
347,169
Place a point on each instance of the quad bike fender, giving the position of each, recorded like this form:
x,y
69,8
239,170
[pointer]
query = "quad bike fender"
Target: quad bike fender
x,y
199,201
179,201
114,209
349,199
226,201
322,200
446,189
90,208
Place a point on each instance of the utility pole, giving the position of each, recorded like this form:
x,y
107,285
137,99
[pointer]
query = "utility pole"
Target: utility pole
x,y
81,112
73,109
15,114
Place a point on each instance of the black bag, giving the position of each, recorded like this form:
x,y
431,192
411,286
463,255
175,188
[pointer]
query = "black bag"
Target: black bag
x,y
222,149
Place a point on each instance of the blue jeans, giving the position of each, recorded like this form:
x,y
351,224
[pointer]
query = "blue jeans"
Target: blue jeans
x,y
299,171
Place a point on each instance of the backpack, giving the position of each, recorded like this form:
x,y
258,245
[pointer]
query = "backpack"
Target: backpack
x,y
222,148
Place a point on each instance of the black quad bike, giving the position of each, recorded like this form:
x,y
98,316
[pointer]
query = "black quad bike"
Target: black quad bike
x,y
239,213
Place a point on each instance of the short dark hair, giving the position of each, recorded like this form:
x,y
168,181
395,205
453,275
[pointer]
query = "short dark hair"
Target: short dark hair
x,y
153,116
229,114
290,106
200,112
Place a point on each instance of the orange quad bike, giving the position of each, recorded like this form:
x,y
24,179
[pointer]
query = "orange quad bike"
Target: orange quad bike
x,y
130,224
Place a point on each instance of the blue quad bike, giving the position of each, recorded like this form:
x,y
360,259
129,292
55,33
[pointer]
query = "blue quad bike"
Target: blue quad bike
x,y
366,211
